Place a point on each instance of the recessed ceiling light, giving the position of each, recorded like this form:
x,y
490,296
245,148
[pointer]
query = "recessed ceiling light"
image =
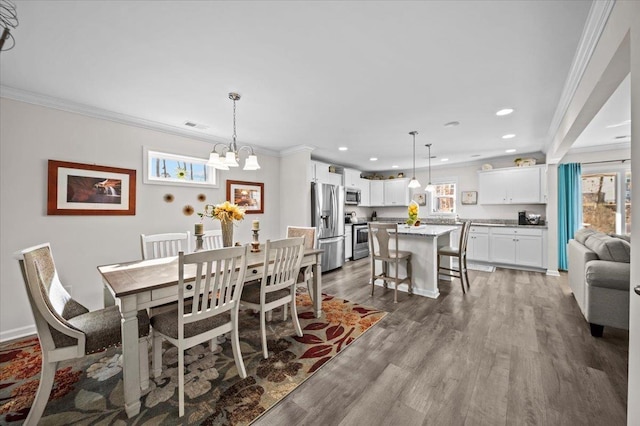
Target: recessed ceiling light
x,y
373,159
395,166
622,137
452,124
509,151
195,125
505,111
444,159
509,136
343,148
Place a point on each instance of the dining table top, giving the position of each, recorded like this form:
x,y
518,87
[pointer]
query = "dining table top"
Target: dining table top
x,y
129,278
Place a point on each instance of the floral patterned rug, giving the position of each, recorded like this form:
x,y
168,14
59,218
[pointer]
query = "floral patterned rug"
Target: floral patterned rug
x,y
89,390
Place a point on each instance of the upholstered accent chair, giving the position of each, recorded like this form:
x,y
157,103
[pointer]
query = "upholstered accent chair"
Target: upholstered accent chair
x,y
278,284
66,329
383,247
207,306
165,245
460,253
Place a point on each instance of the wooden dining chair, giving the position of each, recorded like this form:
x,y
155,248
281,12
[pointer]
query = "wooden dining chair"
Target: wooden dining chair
x,y
383,247
66,329
165,245
309,234
460,253
212,239
278,284
207,306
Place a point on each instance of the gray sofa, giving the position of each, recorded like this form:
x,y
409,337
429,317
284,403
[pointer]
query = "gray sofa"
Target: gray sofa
x,y
599,276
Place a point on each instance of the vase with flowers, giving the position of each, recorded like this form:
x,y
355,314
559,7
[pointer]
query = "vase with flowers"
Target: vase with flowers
x,y
413,213
227,213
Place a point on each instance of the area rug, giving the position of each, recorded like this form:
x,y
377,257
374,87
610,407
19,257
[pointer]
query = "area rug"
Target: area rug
x,y
89,391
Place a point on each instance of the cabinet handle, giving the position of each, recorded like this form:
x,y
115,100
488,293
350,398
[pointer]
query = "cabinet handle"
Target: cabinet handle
x,y
255,271
189,287
637,290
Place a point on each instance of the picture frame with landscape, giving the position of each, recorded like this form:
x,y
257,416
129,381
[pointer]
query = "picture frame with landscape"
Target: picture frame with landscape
x,y
248,195
89,189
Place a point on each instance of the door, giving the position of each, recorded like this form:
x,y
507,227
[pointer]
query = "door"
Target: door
x,y
325,214
529,250
524,185
478,247
377,193
493,188
503,248
333,256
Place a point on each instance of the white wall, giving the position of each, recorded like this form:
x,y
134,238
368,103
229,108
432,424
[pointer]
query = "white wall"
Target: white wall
x,y
30,135
295,186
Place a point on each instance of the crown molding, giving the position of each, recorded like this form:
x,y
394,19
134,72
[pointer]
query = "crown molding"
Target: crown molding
x,y
102,114
596,21
296,149
600,148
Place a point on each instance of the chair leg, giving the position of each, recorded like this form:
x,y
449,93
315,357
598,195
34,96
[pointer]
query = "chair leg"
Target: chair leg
x,y
270,316
263,331
385,273
235,345
309,290
437,268
47,375
373,275
156,348
410,275
294,314
180,381
395,289
284,311
143,349
466,275
460,266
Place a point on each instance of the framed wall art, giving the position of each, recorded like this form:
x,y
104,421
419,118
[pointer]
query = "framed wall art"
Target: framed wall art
x,y
87,189
420,198
248,195
469,197
163,168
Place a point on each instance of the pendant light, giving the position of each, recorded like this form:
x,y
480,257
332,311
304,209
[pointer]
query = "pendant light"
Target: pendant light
x,y
229,154
429,187
413,183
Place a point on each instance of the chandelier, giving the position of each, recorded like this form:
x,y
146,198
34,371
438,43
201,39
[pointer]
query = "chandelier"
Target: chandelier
x,y
414,182
429,187
225,155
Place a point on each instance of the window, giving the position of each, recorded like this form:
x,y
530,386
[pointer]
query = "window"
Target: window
x,y
606,200
443,200
174,169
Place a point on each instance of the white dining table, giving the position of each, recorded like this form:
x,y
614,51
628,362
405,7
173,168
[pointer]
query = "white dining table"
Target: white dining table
x,y
144,284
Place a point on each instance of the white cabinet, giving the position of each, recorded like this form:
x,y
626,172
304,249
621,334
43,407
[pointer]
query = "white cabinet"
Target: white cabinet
x,y
348,241
376,193
319,172
365,197
396,192
517,246
478,244
516,185
351,178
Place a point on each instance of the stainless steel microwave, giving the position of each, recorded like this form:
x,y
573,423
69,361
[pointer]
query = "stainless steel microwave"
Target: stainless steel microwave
x,y
352,196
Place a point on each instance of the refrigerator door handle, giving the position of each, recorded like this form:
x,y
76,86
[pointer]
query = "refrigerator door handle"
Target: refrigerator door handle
x,y
331,240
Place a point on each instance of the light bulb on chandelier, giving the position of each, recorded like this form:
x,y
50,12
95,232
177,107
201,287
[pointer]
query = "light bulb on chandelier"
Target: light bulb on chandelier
x,y
229,154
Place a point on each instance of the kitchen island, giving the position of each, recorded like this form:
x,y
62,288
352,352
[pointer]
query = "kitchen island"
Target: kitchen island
x,y
423,242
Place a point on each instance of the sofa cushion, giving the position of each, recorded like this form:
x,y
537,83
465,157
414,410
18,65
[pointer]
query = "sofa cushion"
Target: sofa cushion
x,y
582,234
604,274
609,248
627,238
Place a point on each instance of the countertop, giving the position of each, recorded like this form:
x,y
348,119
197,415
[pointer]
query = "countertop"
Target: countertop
x,y
475,222
426,230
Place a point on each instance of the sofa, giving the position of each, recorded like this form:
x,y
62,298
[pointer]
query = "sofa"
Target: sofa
x,y
599,277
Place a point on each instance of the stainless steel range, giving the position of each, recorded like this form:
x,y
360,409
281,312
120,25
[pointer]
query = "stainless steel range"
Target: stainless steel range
x,y
360,241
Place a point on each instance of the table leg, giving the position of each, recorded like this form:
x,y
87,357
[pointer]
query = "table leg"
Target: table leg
x,y
317,287
130,355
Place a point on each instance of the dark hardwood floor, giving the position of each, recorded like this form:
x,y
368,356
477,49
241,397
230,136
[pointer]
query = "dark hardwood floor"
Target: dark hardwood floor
x,y
514,350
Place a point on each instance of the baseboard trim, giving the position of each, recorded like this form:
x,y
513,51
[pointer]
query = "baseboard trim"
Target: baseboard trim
x,y
17,333
553,272
420,292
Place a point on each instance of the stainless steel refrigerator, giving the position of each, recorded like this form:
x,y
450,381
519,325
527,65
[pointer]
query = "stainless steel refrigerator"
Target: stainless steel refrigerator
x,y
327,216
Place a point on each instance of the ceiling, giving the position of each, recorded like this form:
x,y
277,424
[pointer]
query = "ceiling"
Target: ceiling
x,y
323,74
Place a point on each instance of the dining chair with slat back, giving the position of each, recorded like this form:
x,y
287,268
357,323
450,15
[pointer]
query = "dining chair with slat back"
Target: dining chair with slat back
x,y
165,245
278,284
207,306
460,253
309,234
66,329
383,246
212,239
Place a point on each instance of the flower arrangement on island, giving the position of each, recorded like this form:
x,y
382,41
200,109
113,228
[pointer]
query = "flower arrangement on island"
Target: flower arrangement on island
x,y
224,212
413,214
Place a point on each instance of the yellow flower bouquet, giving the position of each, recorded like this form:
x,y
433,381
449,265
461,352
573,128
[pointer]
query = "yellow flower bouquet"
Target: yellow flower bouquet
x,y
224,212
413,213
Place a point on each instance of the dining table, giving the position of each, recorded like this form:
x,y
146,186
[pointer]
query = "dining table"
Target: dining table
x,y
145,284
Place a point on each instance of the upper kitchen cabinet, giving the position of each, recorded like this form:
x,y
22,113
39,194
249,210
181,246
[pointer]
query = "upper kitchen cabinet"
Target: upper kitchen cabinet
x,y
319,172
376,193
517,185
365,192
396,192
352,178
